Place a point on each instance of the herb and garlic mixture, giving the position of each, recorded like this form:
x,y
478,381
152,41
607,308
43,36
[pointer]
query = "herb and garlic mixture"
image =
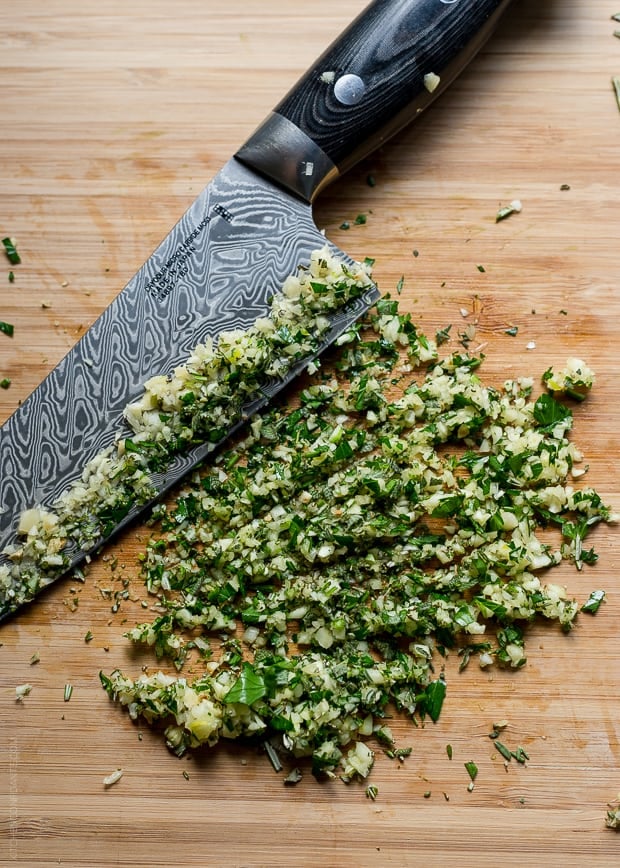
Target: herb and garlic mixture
x,y
198,403
314,570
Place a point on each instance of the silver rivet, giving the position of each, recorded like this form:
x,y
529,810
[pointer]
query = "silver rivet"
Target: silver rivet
x,y
349,89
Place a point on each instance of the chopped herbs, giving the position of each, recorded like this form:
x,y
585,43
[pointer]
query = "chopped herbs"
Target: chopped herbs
x,y
372,792
513,331
88,637
615,81
11,276
449,751
507,210
443,336
7,328
505,751
472,771
593,603
11,251
5,383
400,284
346,538
361,219
68,692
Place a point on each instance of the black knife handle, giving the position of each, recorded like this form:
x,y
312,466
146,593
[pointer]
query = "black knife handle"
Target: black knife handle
x,y
393,60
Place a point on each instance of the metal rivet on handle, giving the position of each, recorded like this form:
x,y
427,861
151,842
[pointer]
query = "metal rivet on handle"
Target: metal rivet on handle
x,y
349,89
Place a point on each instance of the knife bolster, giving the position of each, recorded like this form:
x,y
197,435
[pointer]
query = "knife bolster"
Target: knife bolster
x,y
286,155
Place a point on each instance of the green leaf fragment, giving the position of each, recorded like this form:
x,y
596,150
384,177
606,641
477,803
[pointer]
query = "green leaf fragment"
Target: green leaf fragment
x,y
248,688
505,751
593,603
11,251
472,770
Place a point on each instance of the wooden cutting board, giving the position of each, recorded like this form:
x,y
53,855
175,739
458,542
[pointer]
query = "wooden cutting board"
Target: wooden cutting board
x,y
114,116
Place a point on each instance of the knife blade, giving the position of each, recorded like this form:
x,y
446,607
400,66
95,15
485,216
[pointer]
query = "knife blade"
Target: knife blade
x,y
220,265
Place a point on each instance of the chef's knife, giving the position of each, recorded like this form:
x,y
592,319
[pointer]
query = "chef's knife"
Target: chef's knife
x,y
229,253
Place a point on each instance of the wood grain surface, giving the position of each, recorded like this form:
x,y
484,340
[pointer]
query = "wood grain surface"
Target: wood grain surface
x,y
114,116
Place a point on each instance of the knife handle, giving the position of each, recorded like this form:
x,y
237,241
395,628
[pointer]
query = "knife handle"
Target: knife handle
x,y
394,59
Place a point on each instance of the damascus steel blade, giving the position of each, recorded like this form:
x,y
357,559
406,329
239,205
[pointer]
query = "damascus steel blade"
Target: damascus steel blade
x,y
216,270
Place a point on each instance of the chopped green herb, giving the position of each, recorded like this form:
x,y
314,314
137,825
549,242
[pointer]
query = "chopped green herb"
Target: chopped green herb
x,y
186,774
35,658
11,251
564,187
7,328
371,181
68,692
481,268
505,751
361,219
427,794
88,636
372,792
443,335
449,751
593,603
507,210
400,284
345,225
11,277
248,688
520,755
513,331
293,777
416,253
432,699
615,81
5,383
472,770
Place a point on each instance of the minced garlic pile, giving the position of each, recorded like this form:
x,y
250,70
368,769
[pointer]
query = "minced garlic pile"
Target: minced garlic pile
x,y
320,566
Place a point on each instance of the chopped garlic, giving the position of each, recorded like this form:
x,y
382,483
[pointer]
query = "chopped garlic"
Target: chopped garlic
x,y
431,81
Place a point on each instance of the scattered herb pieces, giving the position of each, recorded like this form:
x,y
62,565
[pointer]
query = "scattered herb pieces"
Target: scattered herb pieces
x,y
431,701
481,269
612,820
88,636
345,224
416,253
5,383
564,187
11,277
427,794
186,774
400,284
7,328
68,692
449,751
36,657
372,792
513,331
361,219
11,251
